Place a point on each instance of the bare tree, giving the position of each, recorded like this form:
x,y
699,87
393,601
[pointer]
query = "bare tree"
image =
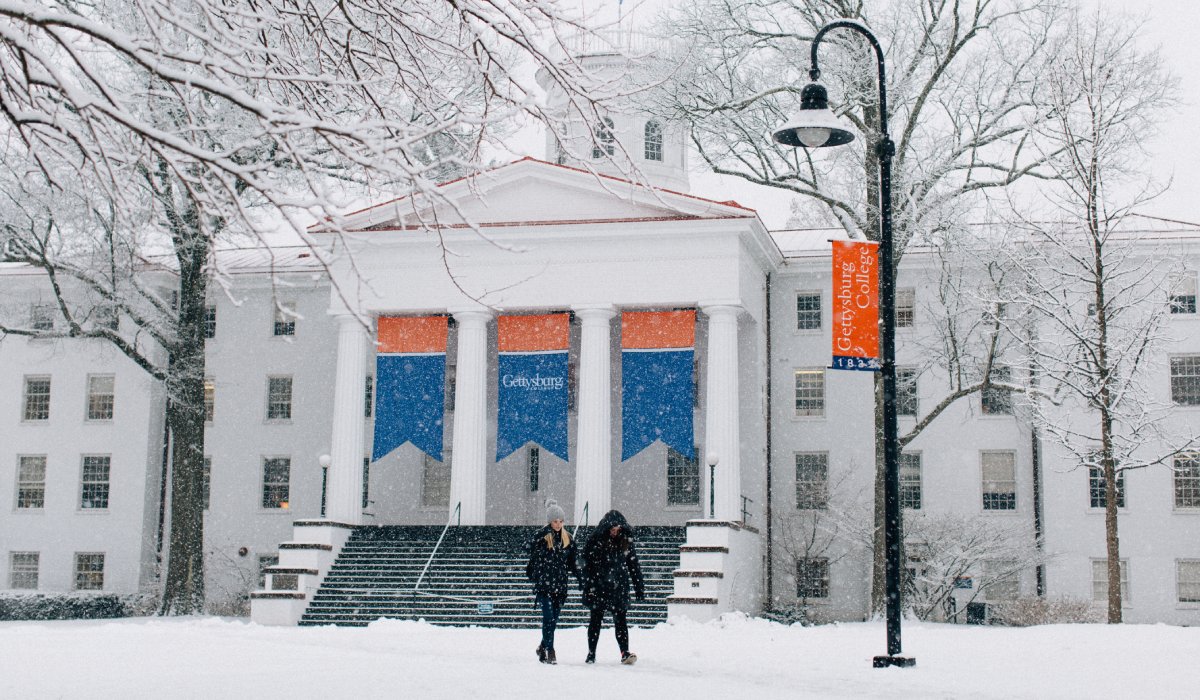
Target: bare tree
x,y
962,93
1095,285
132,128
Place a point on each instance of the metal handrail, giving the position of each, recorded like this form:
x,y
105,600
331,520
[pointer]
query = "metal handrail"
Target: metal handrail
x,y
457,513
586,515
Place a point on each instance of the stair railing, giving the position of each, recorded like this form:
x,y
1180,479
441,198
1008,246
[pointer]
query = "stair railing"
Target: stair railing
x,y
586,506
457,514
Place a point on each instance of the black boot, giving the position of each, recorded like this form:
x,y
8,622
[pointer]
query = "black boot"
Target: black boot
x,y
628,658
591,659
550,657
541,654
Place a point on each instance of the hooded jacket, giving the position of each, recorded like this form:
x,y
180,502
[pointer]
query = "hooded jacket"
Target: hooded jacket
x,y
551,563
610,565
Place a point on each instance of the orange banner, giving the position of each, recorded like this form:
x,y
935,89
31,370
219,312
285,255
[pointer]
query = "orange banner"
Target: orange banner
x,y
658,329
855,305
412,334
533,333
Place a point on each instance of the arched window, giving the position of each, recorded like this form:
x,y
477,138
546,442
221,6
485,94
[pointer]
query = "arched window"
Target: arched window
x,y
604,139
654,141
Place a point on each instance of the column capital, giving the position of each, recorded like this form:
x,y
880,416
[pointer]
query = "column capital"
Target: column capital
x,y
594,312
714,309
471,314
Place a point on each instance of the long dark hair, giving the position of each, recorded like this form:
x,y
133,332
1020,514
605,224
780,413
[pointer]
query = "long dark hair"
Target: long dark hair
x,y
601,538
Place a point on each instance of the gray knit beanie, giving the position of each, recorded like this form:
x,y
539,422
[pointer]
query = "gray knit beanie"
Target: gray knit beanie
x,y
554,511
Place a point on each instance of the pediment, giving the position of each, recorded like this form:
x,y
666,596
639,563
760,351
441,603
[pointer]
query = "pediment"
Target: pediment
x,y
530,192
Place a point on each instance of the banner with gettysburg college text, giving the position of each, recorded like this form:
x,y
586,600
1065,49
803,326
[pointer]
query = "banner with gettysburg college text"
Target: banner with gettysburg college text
x,y
657,390
533,392
410,381
855,305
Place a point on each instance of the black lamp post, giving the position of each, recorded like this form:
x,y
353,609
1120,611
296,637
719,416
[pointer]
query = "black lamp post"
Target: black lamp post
x,y
815,127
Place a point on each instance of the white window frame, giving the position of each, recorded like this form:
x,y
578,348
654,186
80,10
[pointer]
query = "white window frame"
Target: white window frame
x,y
683,472
98,485
98,400
813,411
210,400
653,142
81,573
906,307
912,484
812,493
1096,490
27,398
268,496
984,481
24,570
1181,299
284,317
1192,582
1188,386
1100,584
41,316
1185,490
820,311
908,391
24,482
824,582
210,321
275,400
997,402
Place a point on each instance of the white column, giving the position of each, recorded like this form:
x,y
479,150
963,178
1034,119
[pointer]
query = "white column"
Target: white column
x,y
468,457
722,414
593,451
343,493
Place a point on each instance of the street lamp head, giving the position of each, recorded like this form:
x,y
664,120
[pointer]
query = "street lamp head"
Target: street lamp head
x,y
816,125
324,461
712,459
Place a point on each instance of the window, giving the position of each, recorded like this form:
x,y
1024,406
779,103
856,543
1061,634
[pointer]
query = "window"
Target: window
x,y
285,318
999,480
108,317
206,486
683,478
1187,580
910,480
89,572
93,487
37,398
812,578
435,482
1100,580
994,401
573,386
31,481
906,391
1187,480
23,570
1185,380
1096,488
1002,580
906,307
210,322
366,501
534,458
452,385
100,397
276,482
654,141
210,400
1183,293
604,139
369,397
279,398
810,392
808,311
41,317
265,561
812,480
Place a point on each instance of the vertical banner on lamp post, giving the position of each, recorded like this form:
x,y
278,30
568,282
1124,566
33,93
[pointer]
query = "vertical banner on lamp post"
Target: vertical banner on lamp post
x,y
410,381
533,393
855,305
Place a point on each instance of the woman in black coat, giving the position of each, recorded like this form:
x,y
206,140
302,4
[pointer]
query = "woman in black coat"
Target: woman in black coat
x,y
551,562
610,568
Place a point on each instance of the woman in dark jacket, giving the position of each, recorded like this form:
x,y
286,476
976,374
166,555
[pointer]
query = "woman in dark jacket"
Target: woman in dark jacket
x,y
610,566
551,562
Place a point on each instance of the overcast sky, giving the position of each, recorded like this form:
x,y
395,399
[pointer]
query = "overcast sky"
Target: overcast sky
x,y
1172,25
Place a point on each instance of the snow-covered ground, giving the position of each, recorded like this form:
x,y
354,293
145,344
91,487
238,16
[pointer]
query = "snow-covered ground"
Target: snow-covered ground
x,y
735,658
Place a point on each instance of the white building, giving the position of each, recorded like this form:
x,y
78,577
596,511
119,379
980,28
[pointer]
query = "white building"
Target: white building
x,y
82,462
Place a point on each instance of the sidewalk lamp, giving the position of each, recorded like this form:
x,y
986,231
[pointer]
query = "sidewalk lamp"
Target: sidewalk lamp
x,y
712,460
324,461
817,127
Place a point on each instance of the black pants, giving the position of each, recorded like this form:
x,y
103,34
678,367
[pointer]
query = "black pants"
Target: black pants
x,y
622,628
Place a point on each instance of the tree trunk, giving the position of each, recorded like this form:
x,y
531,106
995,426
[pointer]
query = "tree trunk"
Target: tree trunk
x,y
1112,544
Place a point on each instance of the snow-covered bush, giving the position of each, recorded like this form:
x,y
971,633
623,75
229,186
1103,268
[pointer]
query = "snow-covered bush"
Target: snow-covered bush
x,y
74,606
1026,612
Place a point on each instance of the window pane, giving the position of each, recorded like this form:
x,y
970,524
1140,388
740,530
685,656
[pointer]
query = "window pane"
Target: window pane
x,y
812,578
683,478
41,317
654,141
1185,380
534,462
812,480
94,484
210,400
369,397
1183,294
89,572
906,307
366,493
906,391
100,397
604,139
1187,480
810,392
276,482
210,322
808,311
37,398
1096,488
1100,580
206,487
910,480
999,481
31,481
435,485
995,401
285,318
1002,580
264,561
1187,577
279,398
23,570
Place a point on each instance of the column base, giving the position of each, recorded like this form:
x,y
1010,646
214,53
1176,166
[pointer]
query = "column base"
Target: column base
x,y
898,661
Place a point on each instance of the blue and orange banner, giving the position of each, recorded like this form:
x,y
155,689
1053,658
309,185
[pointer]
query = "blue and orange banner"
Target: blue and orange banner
x,y
657,388
410,381
533,392
855,305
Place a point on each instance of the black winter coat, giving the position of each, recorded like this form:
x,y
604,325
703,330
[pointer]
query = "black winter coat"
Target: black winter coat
x,y
610,566
551,563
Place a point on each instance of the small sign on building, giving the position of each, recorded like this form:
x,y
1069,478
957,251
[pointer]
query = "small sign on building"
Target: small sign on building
x,y
485,608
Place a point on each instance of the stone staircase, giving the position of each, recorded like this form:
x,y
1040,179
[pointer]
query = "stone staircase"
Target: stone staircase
x,y
477,577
